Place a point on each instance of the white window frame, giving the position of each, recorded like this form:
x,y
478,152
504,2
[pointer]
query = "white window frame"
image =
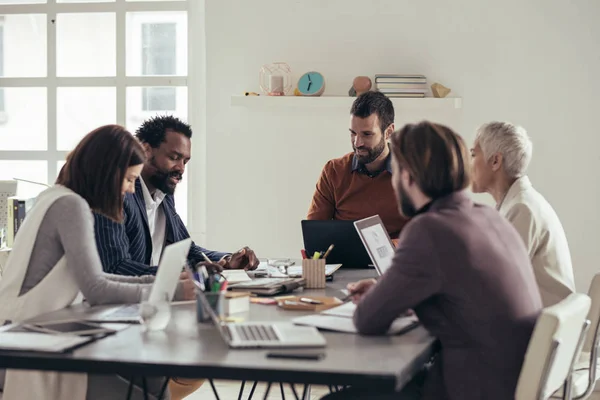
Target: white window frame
x,y
121,81
135,62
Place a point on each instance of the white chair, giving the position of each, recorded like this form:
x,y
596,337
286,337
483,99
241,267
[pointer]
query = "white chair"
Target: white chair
x,y
553,348
585,370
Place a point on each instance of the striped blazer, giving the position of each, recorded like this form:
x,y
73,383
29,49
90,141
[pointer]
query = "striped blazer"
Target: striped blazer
x,y
126,248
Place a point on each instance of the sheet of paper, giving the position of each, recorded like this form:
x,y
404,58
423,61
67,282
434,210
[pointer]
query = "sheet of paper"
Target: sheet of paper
x,y
343,324
296,270
272,271
236,275
346,310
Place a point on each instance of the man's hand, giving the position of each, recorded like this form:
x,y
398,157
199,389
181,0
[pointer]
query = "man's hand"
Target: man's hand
x,y
241,259
358,289
189,288
211,267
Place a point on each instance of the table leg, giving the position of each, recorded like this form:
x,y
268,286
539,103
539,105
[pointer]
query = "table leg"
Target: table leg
x,y
252,391
267,392
144,386
214,389
241,390
306,392
130,388
294,391
164,388
282,392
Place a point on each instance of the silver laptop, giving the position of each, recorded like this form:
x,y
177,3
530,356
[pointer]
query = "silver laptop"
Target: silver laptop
x,y
264,334
377,242
173,260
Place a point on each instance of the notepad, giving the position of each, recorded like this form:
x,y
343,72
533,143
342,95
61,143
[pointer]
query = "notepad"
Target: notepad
x,y
339,319
346,310
344,324
236,275
30,341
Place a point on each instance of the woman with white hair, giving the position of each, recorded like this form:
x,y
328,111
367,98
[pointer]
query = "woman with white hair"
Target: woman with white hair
x,y
500,157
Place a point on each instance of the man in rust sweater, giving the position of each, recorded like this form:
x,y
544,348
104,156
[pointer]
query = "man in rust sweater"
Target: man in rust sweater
x,y
359,184
461,266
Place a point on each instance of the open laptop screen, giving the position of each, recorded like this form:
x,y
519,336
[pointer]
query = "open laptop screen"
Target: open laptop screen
x,y
349,251
377,242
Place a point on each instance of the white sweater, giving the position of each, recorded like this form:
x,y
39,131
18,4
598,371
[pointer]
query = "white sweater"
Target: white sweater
x,y
544,237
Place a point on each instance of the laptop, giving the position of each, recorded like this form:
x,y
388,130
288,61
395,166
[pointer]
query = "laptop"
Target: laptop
x,y
174,258
376,241
349,250
263,334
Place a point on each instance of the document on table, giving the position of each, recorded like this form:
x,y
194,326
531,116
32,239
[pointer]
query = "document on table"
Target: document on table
x,y
236,275
339,319
343,324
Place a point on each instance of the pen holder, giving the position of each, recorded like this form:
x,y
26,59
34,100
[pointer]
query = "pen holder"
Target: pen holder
x,y
313,271
214,300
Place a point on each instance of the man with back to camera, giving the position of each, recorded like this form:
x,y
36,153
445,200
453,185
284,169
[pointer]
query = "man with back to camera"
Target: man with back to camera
x,y
359,184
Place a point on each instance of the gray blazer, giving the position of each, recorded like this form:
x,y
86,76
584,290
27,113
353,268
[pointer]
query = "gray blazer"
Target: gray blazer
x,y
464,270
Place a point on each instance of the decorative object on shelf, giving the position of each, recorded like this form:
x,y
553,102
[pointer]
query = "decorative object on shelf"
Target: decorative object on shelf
x,y
251,94
361,84
352,92
311,84
275,79
297,92
439,90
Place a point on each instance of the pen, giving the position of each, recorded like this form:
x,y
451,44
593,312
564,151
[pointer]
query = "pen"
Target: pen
x,y
310,301
224,286
316,255
348,297
208,260
194,276
328,251
303,252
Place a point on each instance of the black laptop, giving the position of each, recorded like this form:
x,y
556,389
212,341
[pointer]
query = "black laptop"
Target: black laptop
x,y
349,249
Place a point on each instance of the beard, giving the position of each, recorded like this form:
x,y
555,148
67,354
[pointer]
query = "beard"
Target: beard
x,y
372,153
161,179
407,207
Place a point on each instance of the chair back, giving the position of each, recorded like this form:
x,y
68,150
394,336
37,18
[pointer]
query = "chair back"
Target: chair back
x,y
594,315
554,345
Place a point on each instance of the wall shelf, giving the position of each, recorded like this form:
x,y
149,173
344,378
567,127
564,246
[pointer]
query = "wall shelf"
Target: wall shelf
x,y
341,101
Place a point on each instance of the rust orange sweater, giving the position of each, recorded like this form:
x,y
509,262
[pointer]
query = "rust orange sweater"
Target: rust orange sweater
x,y
346,193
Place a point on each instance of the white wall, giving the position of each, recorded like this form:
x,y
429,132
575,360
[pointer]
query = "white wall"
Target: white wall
x,y
531,62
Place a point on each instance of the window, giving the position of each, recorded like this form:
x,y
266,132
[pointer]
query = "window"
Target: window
x,y
159,57
2,110
105,61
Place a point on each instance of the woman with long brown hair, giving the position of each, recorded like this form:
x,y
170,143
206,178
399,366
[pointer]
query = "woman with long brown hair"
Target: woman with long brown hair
x,y
54,257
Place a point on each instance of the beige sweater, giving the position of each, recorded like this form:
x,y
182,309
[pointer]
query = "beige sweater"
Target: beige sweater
x,y
544,237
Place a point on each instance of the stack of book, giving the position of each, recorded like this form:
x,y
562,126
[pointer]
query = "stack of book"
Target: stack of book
x,y
17,210
401,85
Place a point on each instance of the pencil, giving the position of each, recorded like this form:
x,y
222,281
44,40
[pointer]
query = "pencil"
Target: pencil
x,y
208,260
328,251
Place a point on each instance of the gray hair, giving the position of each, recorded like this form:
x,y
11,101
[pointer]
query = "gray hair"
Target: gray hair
x,y
509,140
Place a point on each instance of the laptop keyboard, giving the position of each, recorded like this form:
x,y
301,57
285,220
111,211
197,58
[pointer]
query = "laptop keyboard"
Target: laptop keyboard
x,y
255,333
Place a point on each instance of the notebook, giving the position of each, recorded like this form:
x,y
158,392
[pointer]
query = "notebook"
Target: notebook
x,y
269,286
339,319
236,276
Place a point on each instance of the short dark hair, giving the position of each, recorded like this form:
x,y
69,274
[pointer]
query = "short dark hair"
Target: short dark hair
x,y
434,155
374,102
95,170
154,130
